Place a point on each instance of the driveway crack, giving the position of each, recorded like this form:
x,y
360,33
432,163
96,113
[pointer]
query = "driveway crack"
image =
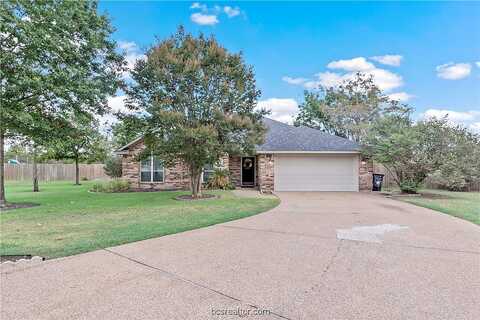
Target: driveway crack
x,y
332,259
193,283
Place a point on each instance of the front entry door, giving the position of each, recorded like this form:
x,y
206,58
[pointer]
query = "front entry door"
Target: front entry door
x,y
248,171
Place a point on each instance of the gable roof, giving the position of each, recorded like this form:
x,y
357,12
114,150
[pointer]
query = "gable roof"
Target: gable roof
x,y
284,137
281,137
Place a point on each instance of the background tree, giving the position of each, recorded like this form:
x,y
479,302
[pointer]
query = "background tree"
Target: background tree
x,y
410,151
56,57
198,103
460,165
81,141
348,110
113,167
128,128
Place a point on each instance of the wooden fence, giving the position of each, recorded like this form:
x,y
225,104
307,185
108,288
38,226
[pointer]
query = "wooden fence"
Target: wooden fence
x,y
389,180
54,172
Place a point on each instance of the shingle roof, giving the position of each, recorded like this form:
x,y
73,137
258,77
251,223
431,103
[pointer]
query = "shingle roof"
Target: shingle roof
x,y
284,137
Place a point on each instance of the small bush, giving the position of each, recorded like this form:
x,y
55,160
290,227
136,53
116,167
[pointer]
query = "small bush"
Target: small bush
x,y
409,186
113,167
112,186
220,179
84,178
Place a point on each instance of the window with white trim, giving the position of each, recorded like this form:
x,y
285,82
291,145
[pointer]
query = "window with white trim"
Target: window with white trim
x,y
151,170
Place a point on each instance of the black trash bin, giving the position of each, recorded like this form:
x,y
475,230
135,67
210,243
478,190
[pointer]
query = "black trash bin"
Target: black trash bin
x,y
377,182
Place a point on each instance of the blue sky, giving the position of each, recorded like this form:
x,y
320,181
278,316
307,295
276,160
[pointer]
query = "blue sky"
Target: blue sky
x,y
426,54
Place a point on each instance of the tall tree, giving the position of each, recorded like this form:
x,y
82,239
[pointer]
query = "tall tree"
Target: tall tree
x,y
410,151
198,103
460,165
81,141
127,129
348,110
56,58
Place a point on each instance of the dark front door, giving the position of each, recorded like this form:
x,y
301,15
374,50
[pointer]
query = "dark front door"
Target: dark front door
x,y
248,171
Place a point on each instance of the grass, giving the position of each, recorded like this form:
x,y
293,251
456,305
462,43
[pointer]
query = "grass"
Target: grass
x,y
72,220
464,205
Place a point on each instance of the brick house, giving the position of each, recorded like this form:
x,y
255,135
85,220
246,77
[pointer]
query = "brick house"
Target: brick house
x,y
291,159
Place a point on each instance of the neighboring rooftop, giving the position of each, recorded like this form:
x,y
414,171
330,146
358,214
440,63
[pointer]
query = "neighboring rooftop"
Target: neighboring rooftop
x,y
284,137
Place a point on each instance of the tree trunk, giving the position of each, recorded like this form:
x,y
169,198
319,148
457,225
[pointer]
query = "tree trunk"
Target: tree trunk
x,y
35,170
195,183
3,202
77,172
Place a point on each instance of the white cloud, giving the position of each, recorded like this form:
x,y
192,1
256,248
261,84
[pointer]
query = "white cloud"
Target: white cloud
x,y
478,63
400,96
327,79
454,71
208,16
231,12
281,109
355,64
389,59
295,81
469,119
475,127
456,116
127,45
204,19
386,80
132,54
117,104
198,5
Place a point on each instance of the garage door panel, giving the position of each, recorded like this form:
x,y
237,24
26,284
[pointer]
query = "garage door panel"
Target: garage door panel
x,y
316,172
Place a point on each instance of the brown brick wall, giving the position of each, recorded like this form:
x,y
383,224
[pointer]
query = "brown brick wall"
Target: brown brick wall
x,y
234,167
266,173
175,177
365,174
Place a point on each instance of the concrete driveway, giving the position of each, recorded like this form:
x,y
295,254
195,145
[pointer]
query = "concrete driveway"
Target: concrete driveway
x,y
287,263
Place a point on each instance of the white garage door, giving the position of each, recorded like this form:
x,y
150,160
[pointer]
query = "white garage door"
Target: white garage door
x,y
316,172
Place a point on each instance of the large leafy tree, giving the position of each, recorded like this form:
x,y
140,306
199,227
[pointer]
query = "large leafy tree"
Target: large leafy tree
x,y
198,103
56,58
81,141
410,151
126,129
348,110
460,165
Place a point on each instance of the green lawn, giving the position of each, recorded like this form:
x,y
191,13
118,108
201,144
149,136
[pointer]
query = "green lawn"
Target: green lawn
x,y
71,220
464,205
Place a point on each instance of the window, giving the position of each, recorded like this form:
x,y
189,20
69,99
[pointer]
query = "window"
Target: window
x,y
151,170
207,172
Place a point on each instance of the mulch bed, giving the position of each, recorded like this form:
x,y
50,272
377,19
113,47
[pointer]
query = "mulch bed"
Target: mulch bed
x,y
12,205
135,190
188,197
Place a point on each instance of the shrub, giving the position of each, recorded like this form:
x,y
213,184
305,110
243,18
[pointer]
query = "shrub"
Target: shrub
x,y
84,178
220,179
113,167
409,186
111,186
